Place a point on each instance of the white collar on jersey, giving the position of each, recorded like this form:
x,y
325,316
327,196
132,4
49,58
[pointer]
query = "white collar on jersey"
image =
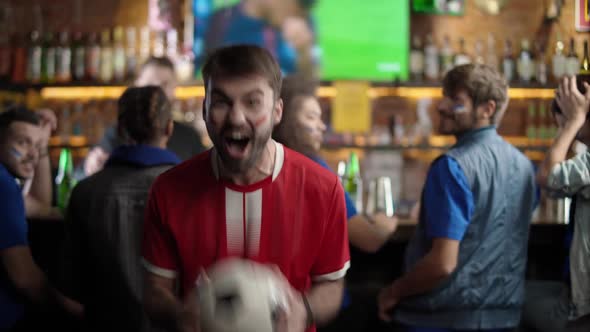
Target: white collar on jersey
x,y
279,161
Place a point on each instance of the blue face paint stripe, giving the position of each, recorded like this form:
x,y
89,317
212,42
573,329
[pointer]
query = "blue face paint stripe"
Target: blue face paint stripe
x,y
15,153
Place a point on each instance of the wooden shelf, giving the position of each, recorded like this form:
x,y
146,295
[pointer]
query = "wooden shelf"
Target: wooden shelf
x,y
195,89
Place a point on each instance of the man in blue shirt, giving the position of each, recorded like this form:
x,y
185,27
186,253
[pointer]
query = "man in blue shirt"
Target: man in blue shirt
x,y
465,264
281,26
20,278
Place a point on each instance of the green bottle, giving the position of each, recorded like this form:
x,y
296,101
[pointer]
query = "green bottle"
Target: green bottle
x,y
64,180
353,183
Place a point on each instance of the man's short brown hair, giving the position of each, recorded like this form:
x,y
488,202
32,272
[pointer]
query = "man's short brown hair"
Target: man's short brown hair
x,y
482,83
240,61
143,113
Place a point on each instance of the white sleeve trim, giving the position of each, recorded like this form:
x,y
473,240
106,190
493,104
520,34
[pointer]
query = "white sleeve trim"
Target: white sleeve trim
x,y
170,274
333,275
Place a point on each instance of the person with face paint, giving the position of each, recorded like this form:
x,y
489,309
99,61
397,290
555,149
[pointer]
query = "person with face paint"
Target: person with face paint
x,y
302,129
21,280
465,265
247,197
38,189
565,306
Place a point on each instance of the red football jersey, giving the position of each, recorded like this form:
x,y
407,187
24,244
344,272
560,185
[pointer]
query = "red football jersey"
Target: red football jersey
x,y
295,219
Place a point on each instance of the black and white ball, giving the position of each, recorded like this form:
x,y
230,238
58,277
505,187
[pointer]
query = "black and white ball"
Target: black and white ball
x,y
240,296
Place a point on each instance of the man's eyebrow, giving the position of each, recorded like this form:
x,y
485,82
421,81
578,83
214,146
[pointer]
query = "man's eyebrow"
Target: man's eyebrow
x,y
219,92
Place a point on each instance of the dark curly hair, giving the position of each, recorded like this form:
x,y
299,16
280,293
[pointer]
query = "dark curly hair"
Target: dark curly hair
x,y
143,114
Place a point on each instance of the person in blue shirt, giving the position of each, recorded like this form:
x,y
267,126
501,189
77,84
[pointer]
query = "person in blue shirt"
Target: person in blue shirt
x,y
301,129
21,280
465,265
283,27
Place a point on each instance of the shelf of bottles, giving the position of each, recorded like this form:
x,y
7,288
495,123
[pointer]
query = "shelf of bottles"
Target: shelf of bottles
x,y
80,76
60,63
530,67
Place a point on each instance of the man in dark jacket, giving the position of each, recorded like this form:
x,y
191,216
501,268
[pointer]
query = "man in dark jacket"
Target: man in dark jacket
x,y
102,267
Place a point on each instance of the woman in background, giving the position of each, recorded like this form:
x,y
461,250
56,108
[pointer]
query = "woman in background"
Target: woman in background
x,y
302,129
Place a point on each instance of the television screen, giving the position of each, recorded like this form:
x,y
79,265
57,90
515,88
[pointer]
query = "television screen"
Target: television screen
x,y
337,39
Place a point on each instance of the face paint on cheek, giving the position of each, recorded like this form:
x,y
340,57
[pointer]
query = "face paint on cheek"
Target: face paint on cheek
x,y
261,121
308,129
459,109
15,153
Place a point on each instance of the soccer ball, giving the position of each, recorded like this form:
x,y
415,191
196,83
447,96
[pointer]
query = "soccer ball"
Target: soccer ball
x,y
240,296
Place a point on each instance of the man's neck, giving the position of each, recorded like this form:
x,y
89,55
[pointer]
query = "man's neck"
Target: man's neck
x,y
252,8
263,169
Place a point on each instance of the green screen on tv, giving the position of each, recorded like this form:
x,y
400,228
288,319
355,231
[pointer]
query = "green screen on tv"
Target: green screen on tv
x,y
351,39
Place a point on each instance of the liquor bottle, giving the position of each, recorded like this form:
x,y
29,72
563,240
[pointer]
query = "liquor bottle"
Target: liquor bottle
x,y
160,44
144,44
64,180
172,44
542,129
525,66
119,58
462,58
78,57
48,59
63,59
446,56
5,57
491,57
131,53
416,60
531,130
93,58
19,60
431,60
558,61
78,128
34,57
585,64
584,71
508,62
478,53
353,183
572,63
541,65
106,57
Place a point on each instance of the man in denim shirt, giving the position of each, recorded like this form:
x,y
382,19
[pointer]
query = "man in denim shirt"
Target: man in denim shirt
x,y
563,177
465,264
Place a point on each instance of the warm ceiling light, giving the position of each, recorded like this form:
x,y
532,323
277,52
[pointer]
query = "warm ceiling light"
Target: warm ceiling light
x,y
198,91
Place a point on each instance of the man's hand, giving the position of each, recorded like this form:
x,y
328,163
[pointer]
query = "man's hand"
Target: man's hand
x,y
95,160
189,319
386,224
48,125
293,317
573,104
297,33
386,301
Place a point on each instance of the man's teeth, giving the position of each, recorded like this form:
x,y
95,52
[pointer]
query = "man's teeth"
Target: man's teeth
x,y
237,136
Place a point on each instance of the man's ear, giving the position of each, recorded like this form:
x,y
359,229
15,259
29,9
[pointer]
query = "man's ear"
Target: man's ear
x,y
277,113
169,128
487,110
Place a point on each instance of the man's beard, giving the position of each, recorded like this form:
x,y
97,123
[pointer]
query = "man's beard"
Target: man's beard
x,y
257,149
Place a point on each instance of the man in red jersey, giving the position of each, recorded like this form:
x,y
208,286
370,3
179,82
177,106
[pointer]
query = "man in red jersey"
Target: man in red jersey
x,y
247,197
